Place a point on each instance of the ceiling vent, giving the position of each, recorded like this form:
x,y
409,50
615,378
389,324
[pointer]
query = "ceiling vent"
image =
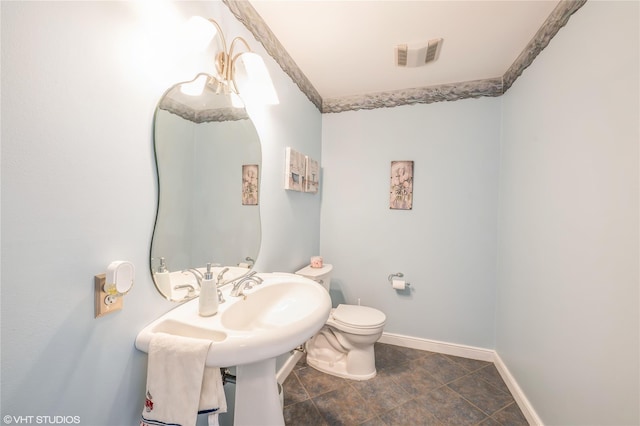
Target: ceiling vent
x,y
416,55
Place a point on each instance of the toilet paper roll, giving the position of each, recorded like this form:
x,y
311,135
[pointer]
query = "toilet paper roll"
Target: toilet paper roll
x,y
399,284
244,265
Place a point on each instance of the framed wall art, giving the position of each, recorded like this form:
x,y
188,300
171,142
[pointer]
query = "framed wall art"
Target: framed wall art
x,y
250,176
312,176
295,167
401,191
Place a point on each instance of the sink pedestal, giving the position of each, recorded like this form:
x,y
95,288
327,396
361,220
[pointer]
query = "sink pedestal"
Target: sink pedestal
x,y
257,401
249,333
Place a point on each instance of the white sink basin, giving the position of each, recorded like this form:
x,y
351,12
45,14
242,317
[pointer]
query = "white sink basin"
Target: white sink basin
x,y
250,332
276,306
274,317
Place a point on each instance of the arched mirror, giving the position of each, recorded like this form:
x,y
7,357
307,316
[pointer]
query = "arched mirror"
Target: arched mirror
x,y
208,158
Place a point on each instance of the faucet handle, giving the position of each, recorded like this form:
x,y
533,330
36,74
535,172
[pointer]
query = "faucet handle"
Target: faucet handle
x,y
221,274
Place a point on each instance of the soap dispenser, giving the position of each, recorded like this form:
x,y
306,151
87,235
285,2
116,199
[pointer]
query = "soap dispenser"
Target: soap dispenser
x,y
163,279
208,303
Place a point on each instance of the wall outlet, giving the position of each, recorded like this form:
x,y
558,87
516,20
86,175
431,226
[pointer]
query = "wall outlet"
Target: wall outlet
x,y
103,303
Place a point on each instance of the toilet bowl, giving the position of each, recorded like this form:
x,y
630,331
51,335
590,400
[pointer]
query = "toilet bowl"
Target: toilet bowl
x,y
344,345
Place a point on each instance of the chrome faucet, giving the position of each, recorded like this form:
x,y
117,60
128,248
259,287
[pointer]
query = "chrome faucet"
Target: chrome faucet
x,y
220,275
245,282
221,298
219,283
196,274
191,291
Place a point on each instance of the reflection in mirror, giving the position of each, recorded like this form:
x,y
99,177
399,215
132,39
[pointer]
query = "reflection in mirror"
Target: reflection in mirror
x,y
205,147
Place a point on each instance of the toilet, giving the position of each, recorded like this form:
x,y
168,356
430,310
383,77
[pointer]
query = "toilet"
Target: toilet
x,y
344,345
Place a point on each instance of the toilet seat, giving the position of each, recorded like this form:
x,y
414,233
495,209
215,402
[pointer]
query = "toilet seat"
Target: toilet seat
x,y
356,318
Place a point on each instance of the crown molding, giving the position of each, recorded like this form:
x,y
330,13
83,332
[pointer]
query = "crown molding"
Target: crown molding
x,y
556,20
421,95
492,87
245,13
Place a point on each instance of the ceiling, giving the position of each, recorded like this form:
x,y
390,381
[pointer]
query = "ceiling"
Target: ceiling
x,y
346,48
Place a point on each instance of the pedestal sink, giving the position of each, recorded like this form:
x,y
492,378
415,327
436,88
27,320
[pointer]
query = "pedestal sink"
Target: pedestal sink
x,y
249,333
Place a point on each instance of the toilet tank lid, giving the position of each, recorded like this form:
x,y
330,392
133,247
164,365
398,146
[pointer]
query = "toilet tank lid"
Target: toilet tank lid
x,y
359,316
310,272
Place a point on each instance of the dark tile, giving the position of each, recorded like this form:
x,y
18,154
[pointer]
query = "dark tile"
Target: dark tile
x,y
374,421
381,393
480,393
490,422
302,362
303,413
410,413
408,390
440,367
450,408
388,355
293,390
316,382
468,363
342,406
490,374
511,416
414,353
413,379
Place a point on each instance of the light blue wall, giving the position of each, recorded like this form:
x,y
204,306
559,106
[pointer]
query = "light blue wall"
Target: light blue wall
x,y
80,81
445,245
562,147
567,306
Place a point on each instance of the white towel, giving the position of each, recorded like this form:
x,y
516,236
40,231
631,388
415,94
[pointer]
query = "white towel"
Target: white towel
x,y
212,398
178,384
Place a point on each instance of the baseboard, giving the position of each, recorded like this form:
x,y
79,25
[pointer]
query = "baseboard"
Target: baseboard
x,y
473,353
436,346
522,401
288,365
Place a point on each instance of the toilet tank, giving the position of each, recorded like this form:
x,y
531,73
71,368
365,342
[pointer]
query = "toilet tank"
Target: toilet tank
x,y
319,275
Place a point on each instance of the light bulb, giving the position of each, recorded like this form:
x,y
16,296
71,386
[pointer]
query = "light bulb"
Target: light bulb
x,y
254,81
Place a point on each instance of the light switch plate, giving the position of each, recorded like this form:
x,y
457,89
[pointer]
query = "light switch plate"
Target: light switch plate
x,y
101,308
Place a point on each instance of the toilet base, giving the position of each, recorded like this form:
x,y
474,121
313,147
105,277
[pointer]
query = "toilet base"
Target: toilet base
x,y
326,354
338,368
346,348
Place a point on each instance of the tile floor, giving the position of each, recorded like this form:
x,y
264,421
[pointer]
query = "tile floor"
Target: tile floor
x,y
413,387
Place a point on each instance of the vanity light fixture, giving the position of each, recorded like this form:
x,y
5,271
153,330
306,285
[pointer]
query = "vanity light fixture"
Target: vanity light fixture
x,y
243,73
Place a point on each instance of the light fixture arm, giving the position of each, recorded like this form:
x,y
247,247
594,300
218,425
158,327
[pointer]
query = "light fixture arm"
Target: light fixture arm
x,y
225,60
221,59
225,63
233,45
232,59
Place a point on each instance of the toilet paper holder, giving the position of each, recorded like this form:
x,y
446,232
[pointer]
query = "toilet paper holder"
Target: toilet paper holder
x,y
397,275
